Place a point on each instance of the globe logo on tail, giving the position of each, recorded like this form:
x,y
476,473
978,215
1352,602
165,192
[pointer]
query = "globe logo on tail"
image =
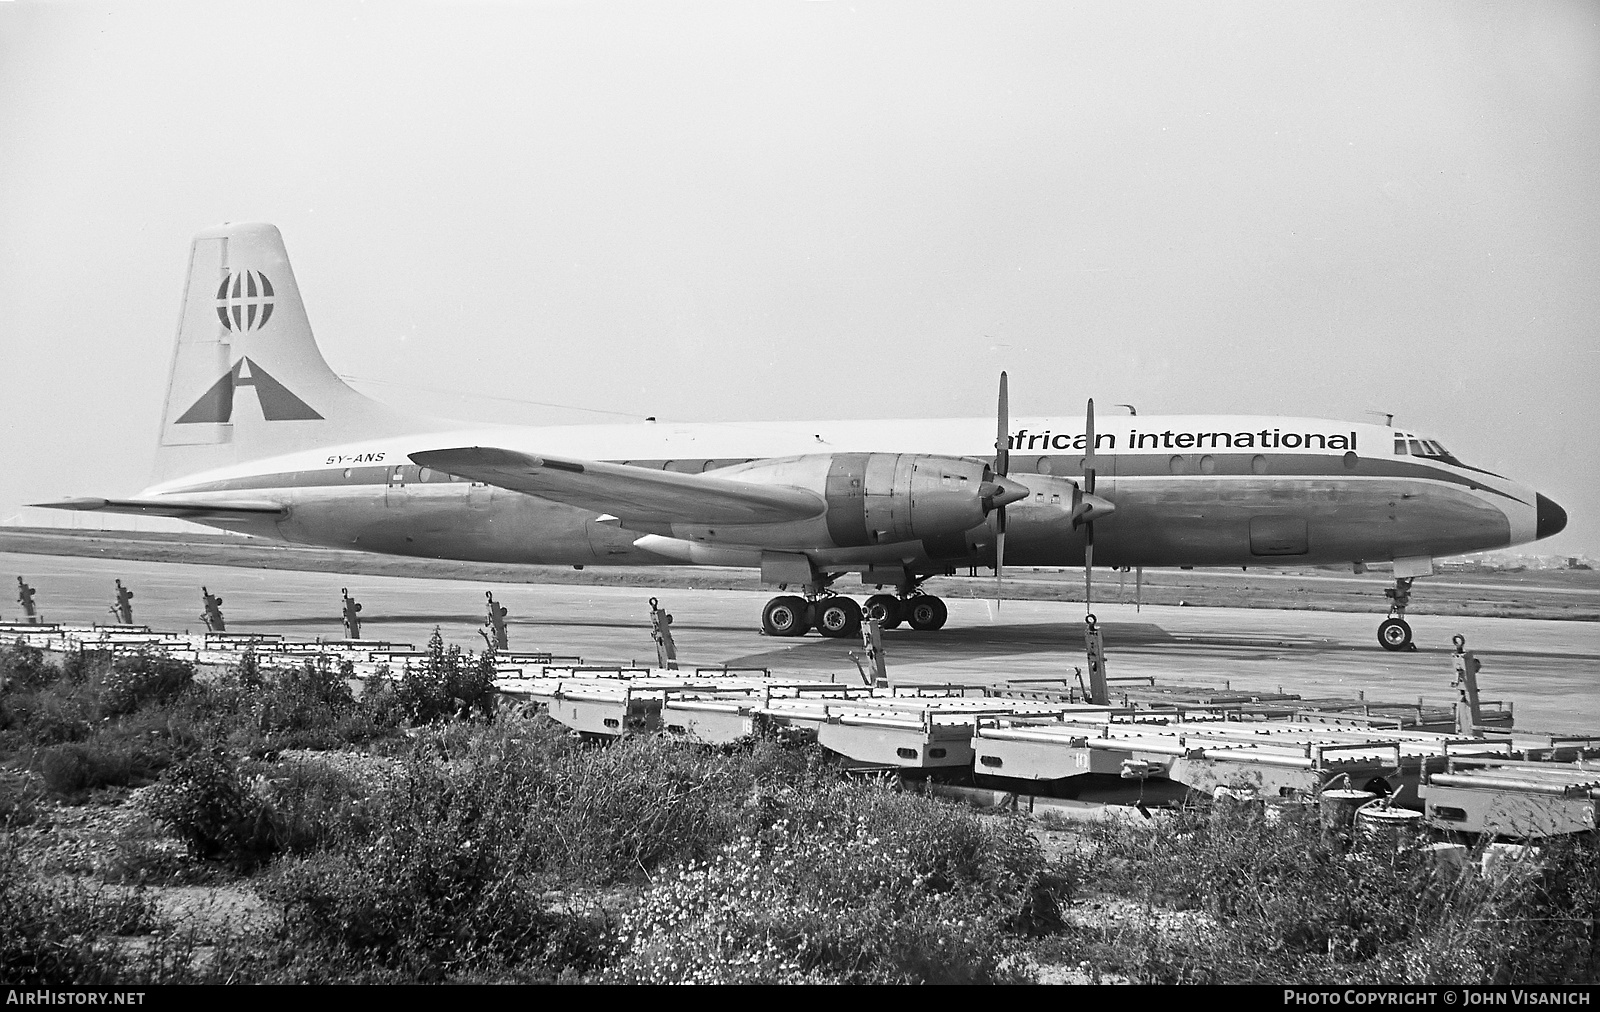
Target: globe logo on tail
x,y
244,301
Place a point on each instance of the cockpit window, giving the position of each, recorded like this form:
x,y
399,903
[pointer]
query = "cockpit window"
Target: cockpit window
x,y
1437,451
1407,444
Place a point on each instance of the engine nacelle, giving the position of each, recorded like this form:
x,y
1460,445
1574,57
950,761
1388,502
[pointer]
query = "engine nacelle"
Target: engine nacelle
x,y
875,499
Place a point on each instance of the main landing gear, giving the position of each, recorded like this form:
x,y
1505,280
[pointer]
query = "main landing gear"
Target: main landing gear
x,y
840,617
1395,632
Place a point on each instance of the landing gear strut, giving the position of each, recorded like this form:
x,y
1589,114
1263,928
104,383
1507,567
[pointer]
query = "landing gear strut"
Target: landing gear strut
x,y
1395,632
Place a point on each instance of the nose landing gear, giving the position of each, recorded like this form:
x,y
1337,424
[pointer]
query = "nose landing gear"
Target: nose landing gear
x,y
1395,633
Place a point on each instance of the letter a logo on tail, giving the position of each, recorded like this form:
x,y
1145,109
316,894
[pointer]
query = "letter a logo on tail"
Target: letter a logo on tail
x,y
277,403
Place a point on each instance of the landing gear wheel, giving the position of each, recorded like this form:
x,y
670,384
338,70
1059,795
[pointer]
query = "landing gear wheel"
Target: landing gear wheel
x,y
885,608
1395,634
785,616
925,613
838,617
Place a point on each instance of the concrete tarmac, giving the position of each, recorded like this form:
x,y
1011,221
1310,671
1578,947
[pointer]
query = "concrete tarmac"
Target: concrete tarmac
x,y
1550,670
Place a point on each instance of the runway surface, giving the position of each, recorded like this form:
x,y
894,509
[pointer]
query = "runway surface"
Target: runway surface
x,y
1549,669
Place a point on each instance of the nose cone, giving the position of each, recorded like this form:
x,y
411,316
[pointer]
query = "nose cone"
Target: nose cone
x,y
1001,492
1552,518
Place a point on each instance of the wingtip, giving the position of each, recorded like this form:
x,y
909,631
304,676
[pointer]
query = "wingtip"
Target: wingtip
x,y
89,503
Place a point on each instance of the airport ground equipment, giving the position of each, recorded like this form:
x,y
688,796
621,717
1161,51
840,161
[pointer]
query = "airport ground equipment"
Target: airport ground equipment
x,y
1466,667
872,642
1094,644
1522,800
1046,743
211,613
661,632
494,627
350,612
122,607
25,598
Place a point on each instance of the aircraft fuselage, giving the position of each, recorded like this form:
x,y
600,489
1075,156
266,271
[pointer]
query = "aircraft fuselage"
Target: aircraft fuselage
x,y
1189,491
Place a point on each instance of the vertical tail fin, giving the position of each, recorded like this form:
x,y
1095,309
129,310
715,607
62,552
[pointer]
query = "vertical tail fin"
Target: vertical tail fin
x,y
247,380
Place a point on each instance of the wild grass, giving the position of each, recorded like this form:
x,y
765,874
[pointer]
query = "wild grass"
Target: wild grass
x,y
1283,899
481,846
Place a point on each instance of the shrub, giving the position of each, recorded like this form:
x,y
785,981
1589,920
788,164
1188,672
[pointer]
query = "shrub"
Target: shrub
x,y
19,799
70,770
64,935
446,684
440,873
23,668
46,717
206,803
312,805
85,666
1291,902
437,881
143,679
866,893
260,714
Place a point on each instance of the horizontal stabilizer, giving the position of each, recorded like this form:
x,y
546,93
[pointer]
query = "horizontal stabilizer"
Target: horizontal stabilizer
x,y
181,509
631,493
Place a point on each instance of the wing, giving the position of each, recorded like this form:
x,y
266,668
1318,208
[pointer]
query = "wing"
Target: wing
x,y
631,493
180,508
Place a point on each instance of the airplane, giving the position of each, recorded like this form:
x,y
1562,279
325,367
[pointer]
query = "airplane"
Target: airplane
x,y
259,436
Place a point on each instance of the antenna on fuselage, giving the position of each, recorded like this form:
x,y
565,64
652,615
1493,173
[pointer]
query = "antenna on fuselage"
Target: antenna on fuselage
x,y
1388,417
1131,409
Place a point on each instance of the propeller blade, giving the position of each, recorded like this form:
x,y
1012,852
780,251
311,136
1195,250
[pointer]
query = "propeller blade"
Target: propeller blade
x,y
1088,457
1001,493
1088,505
999,561
1002,438
1088,565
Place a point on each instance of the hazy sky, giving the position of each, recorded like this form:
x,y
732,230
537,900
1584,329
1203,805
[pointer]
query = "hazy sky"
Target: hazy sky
x,y
709,211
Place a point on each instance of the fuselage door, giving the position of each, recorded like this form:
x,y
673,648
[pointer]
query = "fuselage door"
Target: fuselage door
x,y
395,495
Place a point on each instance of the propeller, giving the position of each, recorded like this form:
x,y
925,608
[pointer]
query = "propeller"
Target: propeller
x,y
1087,506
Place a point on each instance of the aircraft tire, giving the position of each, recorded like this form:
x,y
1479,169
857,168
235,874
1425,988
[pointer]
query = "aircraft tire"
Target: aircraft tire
x,y
785,616
925,613
1395,634
838,617
885,608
